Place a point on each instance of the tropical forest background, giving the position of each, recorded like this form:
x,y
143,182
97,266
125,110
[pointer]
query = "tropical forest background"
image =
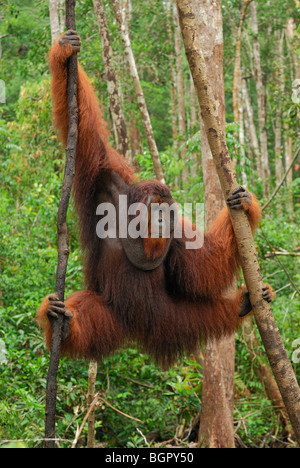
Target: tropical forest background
x,y
166,403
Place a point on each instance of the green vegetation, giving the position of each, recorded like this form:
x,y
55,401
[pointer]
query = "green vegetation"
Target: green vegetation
x,y
31,165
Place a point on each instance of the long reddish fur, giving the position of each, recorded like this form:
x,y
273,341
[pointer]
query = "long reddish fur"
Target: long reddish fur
x,y
165,311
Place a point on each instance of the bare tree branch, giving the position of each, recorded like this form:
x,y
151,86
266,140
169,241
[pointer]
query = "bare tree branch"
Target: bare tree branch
x,y
62,232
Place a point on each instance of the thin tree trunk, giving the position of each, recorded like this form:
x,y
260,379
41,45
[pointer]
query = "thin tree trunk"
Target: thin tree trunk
x,y
267,326
278,121
261,100
62,234
216,419
278,156
54,20
242,135
248,148
179,81
90,399
126,6
237,62
111,78
295,73
292,47
119,15
252,130
180,92
169,8
62,15
288,150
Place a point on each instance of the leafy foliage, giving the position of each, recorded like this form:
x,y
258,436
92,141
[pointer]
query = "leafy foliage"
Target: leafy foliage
x,y
31,165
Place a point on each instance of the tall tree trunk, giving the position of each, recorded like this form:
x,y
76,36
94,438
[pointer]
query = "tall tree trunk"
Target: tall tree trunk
x,y
242,135
252,130
278,358
62,15
292,47
126,6
216,419
288,150
57,18
54,20
261,100
180,92
111,78
169,8
278,121
295,73
119,15
237,62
